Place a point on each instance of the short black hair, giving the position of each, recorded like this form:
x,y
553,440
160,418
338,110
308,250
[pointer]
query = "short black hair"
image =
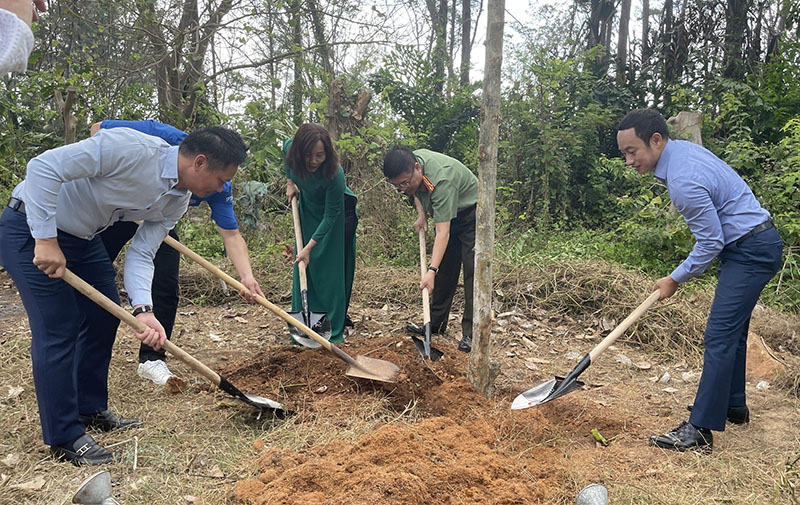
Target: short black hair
x,y
399,160
645,123
223,147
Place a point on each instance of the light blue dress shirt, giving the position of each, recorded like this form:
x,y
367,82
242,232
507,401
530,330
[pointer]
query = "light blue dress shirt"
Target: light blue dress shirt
x,y
716,203
116,175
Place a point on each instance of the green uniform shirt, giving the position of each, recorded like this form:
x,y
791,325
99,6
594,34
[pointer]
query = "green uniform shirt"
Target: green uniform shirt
x,y
454,187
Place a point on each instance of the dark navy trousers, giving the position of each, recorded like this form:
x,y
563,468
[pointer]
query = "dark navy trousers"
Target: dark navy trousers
x,y
71,336
745,268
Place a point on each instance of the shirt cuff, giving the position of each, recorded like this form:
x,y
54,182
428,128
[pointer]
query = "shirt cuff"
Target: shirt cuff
x,y
680,274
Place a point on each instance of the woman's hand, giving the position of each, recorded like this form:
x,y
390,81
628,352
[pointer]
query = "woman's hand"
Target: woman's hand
x,y
291,190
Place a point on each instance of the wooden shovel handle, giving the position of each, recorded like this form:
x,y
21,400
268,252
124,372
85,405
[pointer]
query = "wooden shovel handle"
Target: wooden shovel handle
x,y
241,287
126,317
423,261
624,325
298,238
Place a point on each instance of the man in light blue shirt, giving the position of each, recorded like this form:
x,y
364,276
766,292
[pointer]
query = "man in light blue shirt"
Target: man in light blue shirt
x,y
729,223
70,195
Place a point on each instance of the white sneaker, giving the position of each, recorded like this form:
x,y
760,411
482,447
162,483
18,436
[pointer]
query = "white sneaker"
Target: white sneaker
x,y
155,370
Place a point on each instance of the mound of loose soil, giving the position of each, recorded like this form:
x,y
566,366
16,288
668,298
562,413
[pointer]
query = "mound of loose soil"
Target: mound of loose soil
x,y
466,449
436,461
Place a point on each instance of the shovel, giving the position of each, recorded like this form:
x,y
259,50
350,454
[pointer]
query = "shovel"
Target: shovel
x,y
361,366
560,386
99,298
425,349
317,321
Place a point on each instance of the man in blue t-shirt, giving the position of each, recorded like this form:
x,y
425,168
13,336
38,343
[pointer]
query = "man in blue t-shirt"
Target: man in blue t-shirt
x,y
152,363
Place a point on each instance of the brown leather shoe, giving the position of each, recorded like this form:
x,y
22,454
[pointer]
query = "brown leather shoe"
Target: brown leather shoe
x,y
685,437
84,451
107,421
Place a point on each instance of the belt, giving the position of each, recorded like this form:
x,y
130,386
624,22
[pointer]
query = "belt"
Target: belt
x,y
766,225
16,204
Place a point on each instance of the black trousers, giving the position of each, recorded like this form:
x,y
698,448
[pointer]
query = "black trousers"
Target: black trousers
x,y
350,224
460,250
165,280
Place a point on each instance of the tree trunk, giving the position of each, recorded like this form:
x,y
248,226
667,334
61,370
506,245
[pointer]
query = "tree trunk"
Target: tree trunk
x,y
179,66
645,30
319,35
736,12
777,34
438,14
482,371
466,44
65,109
622,41
666,52
297,43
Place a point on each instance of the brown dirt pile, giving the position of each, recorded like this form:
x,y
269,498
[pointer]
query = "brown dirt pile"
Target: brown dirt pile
x,y
436,461
466,449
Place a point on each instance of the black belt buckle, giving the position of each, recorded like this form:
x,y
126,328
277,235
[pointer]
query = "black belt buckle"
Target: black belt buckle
x,y
16,204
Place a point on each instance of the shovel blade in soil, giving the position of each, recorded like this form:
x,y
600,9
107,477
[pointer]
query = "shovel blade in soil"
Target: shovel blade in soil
x,y
374,369
435,354
544,392
319,323
258,402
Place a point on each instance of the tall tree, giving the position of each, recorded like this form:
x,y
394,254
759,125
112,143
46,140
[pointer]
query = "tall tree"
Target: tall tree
x,y
466,43
482,372
736,29
438,15
622,41
180,51
297,59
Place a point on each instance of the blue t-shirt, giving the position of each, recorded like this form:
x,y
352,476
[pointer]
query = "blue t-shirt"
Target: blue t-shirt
x,y
221,202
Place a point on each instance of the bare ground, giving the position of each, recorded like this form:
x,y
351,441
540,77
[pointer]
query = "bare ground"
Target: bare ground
x,y
428,438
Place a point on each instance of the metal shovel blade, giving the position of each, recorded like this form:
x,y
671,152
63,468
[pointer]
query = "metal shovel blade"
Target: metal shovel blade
x,y
544,392
319,323
435,354
374,369
258,402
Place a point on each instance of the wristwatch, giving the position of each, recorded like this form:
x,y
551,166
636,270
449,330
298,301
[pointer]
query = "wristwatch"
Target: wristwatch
x,y
433,269
142,308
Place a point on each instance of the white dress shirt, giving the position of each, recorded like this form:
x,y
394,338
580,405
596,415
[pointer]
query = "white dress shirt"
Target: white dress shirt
x,y
116,175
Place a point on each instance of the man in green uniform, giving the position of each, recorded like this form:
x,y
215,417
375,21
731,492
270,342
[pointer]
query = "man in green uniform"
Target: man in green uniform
x,y
444,187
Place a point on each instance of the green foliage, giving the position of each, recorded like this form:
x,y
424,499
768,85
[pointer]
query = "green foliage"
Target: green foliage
x,y
782,184
558,121
448,125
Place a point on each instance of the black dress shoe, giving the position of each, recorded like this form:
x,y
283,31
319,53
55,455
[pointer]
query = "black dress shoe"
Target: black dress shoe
x,y
466,344
84,451
107,421
736,415
685,437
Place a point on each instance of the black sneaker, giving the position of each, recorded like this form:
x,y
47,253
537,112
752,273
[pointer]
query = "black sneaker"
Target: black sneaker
x,y
685,437
348,321
736,415
466,344
84,451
